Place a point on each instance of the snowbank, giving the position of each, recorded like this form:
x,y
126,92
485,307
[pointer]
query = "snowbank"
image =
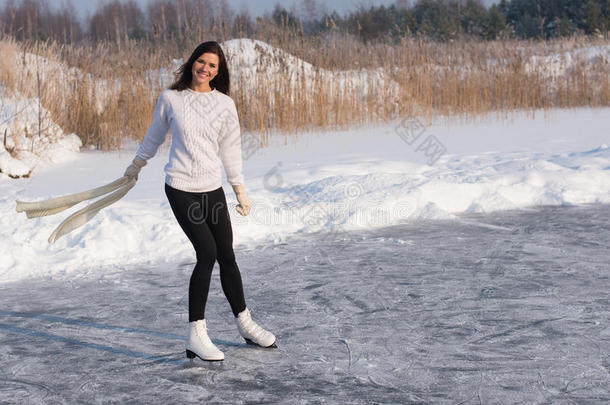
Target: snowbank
x,y
345,180
559,64
43,68
251,60
30,139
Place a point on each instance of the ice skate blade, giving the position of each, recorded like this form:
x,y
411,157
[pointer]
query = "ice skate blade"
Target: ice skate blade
x,y
191,355
271,346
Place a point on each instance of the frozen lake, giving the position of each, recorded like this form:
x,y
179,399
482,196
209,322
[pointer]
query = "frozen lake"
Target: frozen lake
x,y
502,308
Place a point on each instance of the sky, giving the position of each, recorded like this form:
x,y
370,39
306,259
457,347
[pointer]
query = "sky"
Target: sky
x,y
255,8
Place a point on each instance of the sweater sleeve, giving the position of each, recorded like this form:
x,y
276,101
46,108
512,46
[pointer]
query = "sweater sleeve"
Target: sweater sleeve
x,y
230,145
158,129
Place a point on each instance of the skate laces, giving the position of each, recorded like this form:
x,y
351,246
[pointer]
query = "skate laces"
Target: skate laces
x,y
201,328
252,327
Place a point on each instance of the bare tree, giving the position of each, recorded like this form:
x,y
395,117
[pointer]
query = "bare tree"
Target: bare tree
x,y
312,10
22,20
117,22
242,24
197,16
163,19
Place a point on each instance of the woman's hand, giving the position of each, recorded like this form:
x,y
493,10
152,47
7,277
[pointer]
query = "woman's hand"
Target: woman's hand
x,y
243,208
134,168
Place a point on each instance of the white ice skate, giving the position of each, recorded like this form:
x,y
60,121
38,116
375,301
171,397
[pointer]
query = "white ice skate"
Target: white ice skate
x,y
252,332
199,344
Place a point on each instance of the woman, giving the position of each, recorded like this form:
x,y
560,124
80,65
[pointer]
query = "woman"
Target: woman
x,y
205,135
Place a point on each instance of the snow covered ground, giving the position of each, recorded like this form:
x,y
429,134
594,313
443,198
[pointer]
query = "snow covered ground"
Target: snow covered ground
x,y
345,180
26,128
558,64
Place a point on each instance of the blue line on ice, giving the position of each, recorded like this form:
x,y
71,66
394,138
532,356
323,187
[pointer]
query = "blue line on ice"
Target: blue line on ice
x,y
80,322
57,338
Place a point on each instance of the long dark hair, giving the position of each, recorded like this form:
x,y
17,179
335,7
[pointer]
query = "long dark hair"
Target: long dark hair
x,y
184,74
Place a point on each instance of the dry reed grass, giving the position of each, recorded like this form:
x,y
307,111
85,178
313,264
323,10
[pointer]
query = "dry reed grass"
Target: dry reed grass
x,y
463,79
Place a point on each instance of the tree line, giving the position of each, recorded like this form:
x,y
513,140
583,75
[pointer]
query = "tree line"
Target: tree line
x,y
440,20
451,19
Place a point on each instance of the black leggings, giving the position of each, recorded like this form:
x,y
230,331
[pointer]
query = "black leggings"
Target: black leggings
x,y
205,220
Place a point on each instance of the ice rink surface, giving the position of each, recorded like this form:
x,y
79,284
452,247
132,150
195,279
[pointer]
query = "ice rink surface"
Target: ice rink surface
x,y
503,308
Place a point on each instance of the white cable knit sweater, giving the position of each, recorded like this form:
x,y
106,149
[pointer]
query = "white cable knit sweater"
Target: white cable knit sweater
x,y
205,132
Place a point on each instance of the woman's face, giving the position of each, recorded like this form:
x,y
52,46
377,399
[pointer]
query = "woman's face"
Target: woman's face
x,y
205,68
